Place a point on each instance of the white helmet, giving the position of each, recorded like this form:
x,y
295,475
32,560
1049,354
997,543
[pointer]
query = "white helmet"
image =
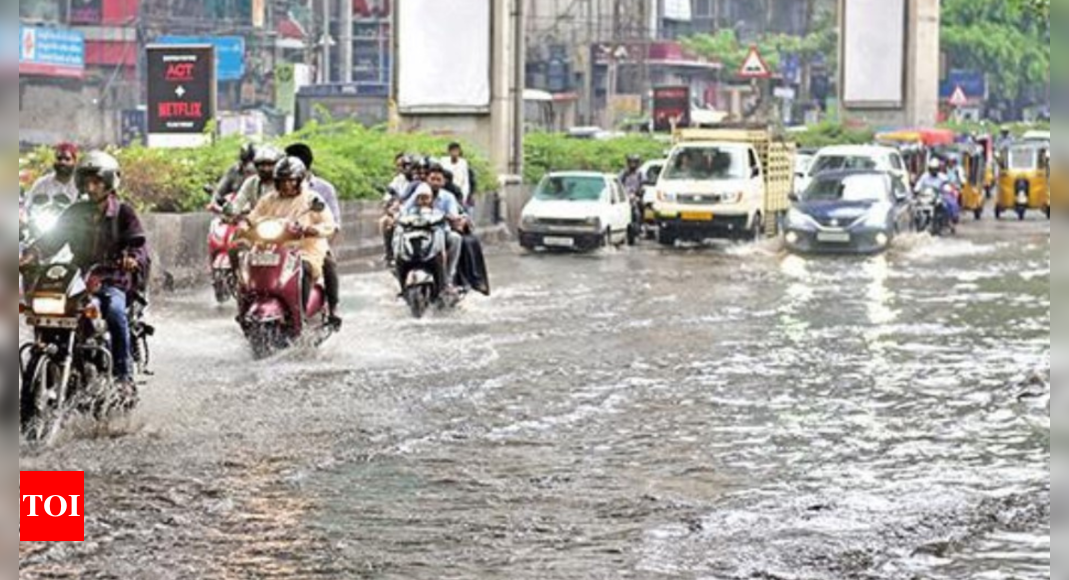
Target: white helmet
x,y
935,164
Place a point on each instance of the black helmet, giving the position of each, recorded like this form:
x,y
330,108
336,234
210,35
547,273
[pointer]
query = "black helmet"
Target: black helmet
x,y
302,152
247,154
97,164
290,168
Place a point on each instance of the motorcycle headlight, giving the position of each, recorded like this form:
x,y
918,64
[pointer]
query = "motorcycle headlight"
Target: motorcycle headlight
x,y
50,305
271,230
45,221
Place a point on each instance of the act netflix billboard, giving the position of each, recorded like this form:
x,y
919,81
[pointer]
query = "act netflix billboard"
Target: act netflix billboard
x,y
181,89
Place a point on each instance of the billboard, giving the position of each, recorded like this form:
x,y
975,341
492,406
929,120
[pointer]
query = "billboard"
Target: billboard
x,y
671,108
181,94
440,71
874,53
229,53
51,52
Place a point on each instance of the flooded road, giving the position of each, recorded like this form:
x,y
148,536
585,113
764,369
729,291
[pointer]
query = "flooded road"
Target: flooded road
x,y
714,414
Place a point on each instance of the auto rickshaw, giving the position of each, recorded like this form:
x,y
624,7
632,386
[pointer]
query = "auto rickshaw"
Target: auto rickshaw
x,y
1024,180
1059,181
972,161
915,146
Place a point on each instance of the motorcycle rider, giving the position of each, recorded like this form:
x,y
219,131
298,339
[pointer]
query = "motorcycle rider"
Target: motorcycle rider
x,y
631,177
236,176
934,179
59,186
258,186
104,234
291,201
329,194
397,205
449,206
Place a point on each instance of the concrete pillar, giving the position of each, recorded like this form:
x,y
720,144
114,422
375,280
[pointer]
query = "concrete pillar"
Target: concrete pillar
x,y
923,63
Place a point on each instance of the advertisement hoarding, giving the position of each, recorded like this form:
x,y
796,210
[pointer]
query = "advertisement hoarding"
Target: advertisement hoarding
x,y
229,53
440,71
874,53
52,52
86,11
181,94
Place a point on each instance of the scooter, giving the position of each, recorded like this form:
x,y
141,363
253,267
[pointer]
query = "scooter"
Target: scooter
x,y
270,293
222,239
932,214
420,248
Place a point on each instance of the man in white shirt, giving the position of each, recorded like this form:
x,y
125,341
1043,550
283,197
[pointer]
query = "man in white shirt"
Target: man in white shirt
x,y
456,164
57,187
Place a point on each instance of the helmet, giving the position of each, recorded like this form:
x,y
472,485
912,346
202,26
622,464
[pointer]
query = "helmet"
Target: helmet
x,y
248,153
634,159
268,155
935,164
97,164
303,152
290,168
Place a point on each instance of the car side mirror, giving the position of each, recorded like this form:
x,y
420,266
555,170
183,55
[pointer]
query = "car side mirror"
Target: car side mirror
x,y
756,172
794,198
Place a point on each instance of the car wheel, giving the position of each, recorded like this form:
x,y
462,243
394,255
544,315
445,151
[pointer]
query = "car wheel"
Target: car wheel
x,y
757,232
666,238
632,235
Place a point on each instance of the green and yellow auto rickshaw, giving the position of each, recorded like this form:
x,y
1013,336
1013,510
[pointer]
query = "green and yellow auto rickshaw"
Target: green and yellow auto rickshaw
x,y
1024,180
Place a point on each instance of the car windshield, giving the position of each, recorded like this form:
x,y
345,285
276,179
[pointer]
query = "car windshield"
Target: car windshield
x,y
708,163
571,188
852,188
826,163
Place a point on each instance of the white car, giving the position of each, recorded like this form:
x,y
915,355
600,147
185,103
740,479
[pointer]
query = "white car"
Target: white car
x,y
859,158
580,211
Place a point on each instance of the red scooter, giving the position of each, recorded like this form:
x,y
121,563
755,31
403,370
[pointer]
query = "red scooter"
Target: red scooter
x,y
222,238
270,292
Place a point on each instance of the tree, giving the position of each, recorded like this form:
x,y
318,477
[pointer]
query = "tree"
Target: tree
x,y
999,38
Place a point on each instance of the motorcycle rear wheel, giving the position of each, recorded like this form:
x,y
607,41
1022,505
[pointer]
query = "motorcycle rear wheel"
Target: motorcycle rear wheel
x,y
265,340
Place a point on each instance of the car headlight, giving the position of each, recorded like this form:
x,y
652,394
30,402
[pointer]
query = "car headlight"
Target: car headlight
x,y
529,221
797,219
733,198
271,230
876,218
594,223
50,305
666,197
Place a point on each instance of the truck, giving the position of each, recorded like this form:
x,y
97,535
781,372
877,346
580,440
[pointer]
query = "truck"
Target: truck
x,y
724,183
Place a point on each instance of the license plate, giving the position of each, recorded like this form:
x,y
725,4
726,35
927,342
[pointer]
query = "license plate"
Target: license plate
x,y
559,242
264,260
834,237
696,216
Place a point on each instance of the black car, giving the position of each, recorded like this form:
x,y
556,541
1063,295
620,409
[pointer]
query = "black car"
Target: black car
x,y
849,212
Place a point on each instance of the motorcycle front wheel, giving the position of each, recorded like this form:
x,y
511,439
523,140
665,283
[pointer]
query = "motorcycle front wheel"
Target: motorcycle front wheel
x,y
43,400
418,299
266,340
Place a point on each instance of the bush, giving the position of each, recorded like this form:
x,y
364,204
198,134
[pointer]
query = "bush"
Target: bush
x,y
546,152
828,133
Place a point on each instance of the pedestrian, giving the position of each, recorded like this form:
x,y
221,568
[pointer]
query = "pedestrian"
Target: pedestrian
x,y
461,170
57,187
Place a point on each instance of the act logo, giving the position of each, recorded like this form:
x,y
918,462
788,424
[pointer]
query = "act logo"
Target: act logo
x,y
51,506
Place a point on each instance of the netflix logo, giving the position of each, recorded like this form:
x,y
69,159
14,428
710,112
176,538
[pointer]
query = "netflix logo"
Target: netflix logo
x,y
51,506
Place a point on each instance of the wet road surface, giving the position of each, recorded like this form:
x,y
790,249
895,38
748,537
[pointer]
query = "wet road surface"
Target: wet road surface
x,y
722,413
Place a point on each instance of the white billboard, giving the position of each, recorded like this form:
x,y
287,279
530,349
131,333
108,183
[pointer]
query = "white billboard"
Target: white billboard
x,y
443,60
874,53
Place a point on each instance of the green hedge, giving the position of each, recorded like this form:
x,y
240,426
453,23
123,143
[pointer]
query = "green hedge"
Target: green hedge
x,y
545,152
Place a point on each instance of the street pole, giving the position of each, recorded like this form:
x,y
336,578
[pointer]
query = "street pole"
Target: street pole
x,y
588,58
324,60
346,41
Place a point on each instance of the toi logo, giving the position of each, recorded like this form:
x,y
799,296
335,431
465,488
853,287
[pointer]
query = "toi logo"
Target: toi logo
x,y
51,506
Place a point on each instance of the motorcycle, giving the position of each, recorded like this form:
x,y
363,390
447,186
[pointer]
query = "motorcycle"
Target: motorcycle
x,y
419,247
932,214
270,292
222,239
68,366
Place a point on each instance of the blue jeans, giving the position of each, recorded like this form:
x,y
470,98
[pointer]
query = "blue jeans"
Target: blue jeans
x,y
113,307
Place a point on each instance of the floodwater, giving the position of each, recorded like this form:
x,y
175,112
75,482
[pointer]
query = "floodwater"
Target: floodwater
x,y
704,414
